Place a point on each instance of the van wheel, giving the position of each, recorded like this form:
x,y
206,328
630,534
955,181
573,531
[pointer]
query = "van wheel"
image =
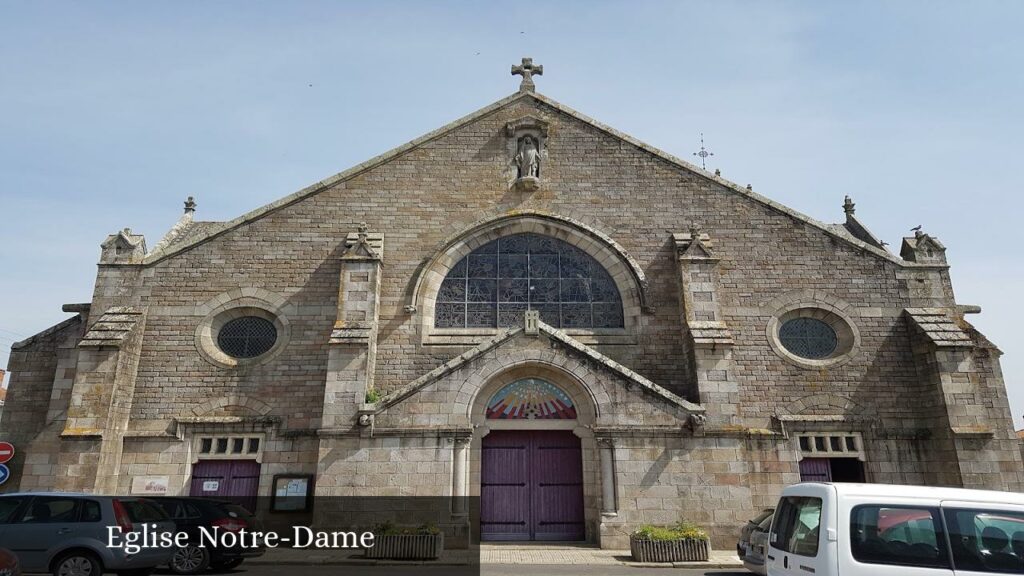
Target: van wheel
x,y
77,563
190,559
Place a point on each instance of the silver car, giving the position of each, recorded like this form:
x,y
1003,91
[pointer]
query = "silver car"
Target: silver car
x,y
67,534
753,558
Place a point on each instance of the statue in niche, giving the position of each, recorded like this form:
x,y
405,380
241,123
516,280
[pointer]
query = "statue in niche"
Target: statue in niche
x,y
528,158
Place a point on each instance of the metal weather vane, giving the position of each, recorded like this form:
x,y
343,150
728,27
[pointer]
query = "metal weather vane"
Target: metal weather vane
x,y
704,153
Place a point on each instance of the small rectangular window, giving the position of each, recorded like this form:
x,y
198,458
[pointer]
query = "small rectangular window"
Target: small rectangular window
x,y
206,446
805,444
237,444
254,445
851,444
819,443
898,535
222,445
796,525
836,443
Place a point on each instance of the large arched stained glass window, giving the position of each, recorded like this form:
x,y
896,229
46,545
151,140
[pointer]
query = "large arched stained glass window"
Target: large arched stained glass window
x,y
495,284
531,399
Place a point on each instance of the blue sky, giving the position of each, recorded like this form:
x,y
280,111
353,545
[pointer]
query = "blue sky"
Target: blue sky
x,y
111,113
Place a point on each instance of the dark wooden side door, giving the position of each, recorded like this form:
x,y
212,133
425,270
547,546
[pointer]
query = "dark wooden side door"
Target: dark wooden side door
x,y
236,480
815,470
531,486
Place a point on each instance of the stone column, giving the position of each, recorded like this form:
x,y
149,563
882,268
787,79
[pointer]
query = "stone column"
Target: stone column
x,y
709,335
460,469
606,450
101,402
352,354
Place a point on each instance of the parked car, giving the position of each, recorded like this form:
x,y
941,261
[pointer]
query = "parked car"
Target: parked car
x,y
885,530
189,514
753,556
9,563
748,528
67,534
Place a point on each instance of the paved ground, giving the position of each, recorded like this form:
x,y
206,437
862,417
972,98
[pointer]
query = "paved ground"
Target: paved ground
x,y
495,555
490,570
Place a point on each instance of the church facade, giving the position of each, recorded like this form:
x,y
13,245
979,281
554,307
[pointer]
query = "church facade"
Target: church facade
x,y
526,306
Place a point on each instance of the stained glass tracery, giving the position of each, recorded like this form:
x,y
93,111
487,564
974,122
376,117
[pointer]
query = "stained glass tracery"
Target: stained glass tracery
x,y
531,399
495,284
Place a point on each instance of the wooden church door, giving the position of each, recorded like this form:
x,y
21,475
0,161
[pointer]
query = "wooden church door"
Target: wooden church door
x,y
531,486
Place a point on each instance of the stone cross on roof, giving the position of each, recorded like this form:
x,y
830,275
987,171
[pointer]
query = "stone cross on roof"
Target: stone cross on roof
x,y
527,70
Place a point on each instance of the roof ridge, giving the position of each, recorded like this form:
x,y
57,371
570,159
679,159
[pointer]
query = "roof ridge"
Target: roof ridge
x,y
225,226
338,177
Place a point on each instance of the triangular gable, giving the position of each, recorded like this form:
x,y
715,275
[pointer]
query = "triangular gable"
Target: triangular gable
x,y
572,345
326,183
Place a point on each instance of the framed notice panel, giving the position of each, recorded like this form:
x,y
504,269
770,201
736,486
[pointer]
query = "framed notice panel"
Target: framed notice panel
x,y
292,493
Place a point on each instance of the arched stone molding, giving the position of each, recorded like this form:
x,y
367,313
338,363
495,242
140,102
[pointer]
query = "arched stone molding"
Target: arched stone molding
x,y
623,268
828,404
832,310
210,407
236,303
570,382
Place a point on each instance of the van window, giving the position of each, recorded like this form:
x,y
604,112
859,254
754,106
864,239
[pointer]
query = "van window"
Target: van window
x,y
899,535
986,540
796,526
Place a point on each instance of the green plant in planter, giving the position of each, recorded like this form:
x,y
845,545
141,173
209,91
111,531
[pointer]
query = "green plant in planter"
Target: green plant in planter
x,y
372,396
390,529
681,530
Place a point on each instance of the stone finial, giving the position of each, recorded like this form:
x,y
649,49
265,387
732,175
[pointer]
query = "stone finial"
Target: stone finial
x,y
527,69
848,206
695,231
750,188
362,231
190,205
530,321
718,172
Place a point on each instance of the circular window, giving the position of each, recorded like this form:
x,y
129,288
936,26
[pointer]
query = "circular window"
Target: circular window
x,y
813,337
247,337
809,338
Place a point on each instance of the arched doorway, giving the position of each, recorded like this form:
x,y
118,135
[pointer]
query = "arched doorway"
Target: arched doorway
x,y
531,476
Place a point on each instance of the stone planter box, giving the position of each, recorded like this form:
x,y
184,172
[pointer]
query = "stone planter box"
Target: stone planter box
x,y
686,550
407,547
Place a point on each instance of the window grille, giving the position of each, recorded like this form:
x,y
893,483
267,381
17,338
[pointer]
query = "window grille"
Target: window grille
x,y
496,284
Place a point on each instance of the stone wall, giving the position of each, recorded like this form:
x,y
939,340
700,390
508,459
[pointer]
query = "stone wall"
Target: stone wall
x,y
42,373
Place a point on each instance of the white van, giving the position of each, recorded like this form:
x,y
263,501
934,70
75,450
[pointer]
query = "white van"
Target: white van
x,y
886,530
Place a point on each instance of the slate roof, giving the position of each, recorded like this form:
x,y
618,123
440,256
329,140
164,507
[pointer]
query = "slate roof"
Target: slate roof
x,y
112,328
939,327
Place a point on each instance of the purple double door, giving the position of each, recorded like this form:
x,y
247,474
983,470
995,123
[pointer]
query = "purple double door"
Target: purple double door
x,y
531,486
235,480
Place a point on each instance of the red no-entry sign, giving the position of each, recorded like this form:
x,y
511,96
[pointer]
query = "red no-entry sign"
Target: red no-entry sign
x,y
6,452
